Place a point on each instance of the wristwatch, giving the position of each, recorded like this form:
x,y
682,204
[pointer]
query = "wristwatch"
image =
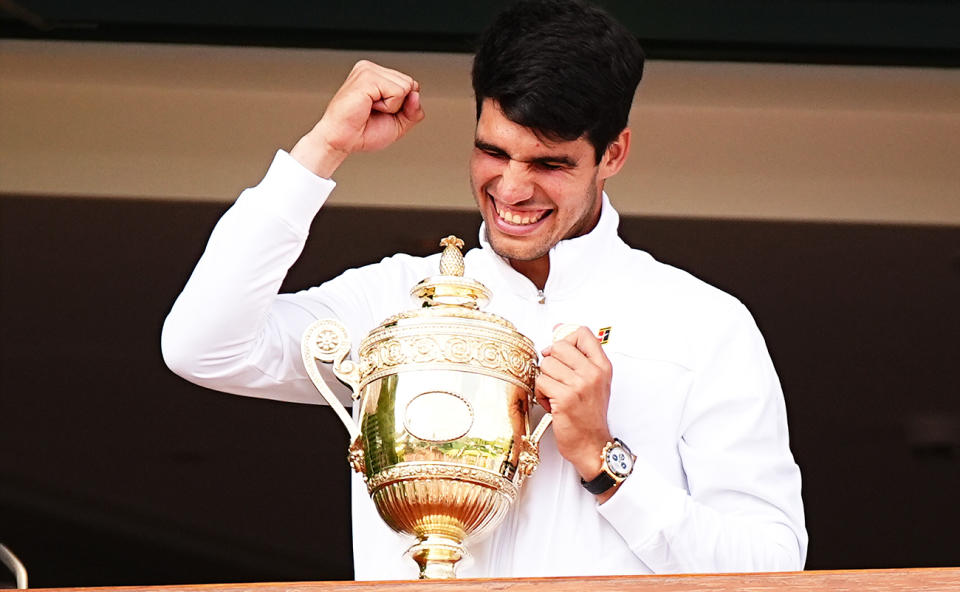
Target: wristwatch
x,y
617,464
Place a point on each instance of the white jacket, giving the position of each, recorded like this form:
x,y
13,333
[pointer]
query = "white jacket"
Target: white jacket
x,y
694,393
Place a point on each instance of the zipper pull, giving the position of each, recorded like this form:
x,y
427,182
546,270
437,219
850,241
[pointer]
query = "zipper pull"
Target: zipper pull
x,y
541,297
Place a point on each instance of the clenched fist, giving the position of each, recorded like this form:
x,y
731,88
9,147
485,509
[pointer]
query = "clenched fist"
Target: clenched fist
x,y
373,108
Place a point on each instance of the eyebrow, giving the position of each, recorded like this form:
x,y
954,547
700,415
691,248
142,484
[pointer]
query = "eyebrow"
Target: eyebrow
x,y
553,160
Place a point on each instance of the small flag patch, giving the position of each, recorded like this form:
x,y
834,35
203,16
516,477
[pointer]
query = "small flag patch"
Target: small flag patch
x,y
604,335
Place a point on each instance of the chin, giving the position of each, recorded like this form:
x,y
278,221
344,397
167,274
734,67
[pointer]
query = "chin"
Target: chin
x,y
516,249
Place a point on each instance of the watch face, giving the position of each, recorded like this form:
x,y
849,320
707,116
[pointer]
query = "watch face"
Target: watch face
x,y
619,461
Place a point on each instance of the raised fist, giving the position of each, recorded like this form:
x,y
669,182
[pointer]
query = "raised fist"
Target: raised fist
x,y
373,108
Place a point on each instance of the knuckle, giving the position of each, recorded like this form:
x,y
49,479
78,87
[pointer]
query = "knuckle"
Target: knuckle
x,y
581,383
594,373
568,394
584,383
548,366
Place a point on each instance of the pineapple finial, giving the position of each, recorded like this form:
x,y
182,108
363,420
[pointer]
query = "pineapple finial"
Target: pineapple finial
x,y
451,261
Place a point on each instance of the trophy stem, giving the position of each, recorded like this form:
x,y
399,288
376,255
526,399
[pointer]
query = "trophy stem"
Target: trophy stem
x,y
437,556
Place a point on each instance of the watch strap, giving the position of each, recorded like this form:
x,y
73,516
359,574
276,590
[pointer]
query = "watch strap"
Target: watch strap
x,y
600,484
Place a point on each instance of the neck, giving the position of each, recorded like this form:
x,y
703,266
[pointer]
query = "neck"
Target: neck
x,y
536,270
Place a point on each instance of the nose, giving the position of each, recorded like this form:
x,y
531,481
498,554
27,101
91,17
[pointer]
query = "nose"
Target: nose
x,y
516,184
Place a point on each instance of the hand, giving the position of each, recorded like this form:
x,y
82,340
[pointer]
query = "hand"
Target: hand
x,y
574,386
374,107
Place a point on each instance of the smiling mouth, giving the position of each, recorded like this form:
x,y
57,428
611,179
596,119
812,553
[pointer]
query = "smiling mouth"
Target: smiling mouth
x,y
520,218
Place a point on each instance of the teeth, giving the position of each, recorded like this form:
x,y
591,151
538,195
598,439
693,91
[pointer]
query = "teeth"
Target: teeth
x,y
515,218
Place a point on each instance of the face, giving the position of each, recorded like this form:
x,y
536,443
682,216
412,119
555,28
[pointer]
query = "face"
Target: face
x,y
533,193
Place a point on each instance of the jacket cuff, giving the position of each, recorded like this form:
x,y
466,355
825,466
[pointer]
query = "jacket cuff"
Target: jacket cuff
x,y
290,192
644,506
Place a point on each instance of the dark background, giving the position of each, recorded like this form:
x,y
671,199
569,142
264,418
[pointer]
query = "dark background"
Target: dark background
x,y
912,32
114,471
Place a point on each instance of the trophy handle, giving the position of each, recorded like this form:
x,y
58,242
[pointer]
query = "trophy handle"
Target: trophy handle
x,y
530,449
541,428
327,341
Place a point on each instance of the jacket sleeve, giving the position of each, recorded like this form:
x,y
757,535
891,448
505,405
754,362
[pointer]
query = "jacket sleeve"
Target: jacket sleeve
x,y
741,509
229,330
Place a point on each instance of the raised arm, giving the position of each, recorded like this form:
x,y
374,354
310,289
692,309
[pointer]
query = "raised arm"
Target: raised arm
x,y
229,330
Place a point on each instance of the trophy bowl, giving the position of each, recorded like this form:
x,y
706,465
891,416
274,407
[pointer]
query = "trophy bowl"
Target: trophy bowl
x,y
444,440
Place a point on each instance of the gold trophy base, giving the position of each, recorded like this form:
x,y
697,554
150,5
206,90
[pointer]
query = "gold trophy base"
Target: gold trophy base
x,y
437,556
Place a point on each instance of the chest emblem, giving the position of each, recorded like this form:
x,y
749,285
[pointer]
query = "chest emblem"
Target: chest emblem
x,y
604,335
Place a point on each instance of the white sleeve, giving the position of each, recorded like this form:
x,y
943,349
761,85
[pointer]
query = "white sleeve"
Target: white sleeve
x,y
742,510
228,330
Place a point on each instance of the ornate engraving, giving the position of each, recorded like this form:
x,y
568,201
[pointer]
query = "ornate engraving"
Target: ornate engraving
x,y
449,313
436,470
529,458
391,352
355,456
327,339
517,363
425,349
486,353
457,349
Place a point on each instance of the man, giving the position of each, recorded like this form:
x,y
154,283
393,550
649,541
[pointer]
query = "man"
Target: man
x,y
685,383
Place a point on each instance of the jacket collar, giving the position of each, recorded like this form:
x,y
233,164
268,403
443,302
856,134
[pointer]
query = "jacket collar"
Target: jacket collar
x,y
573,262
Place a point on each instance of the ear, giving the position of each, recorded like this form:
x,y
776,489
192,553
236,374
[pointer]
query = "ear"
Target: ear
x,y
615,155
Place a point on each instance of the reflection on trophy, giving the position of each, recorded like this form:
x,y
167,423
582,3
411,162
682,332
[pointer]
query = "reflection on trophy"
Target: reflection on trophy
x,y
444,439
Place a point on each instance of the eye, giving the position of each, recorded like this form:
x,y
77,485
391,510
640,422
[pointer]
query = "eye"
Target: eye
x,y
549,166
492,153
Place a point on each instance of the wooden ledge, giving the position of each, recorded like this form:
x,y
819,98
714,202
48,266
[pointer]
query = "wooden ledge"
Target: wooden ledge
x,y
873,580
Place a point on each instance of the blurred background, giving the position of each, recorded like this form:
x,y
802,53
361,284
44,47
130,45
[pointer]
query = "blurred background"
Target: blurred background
x,y
800,154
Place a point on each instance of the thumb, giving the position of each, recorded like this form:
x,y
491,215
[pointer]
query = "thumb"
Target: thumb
x,y
412,111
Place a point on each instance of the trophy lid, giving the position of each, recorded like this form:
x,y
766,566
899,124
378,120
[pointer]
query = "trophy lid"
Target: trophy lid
x,y
449,330
450,288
